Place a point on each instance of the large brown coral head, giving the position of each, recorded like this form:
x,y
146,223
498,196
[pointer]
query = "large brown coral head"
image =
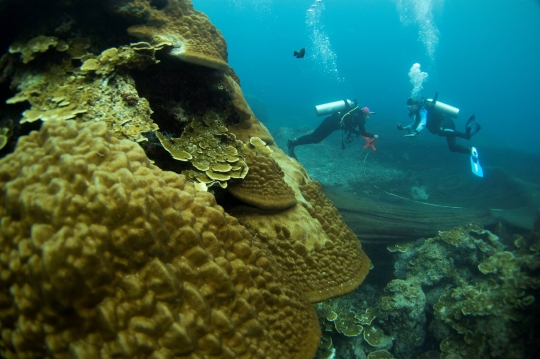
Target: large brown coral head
x,y
193,38
312,243
104,255
248,126
264,186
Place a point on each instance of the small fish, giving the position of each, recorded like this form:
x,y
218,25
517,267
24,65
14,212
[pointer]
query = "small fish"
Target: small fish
x,y
310,10
300,54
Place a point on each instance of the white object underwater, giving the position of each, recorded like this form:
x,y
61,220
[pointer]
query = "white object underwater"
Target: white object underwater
x,y
475,163
444,108
333,107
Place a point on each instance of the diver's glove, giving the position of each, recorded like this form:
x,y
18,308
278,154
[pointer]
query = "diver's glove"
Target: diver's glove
x,y
400,126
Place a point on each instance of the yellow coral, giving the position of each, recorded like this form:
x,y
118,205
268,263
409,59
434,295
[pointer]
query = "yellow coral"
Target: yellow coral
x,y
57,94
193,37
110,59
104,255
311,242
6,130
264,186
37,44
212,151
249,126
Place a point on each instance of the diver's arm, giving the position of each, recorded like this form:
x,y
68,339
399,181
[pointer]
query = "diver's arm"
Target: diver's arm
x,y
414,131
364,133
423,120
408,127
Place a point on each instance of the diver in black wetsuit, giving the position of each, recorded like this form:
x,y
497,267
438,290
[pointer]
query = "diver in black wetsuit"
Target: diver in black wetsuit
x,y
345,120
436,122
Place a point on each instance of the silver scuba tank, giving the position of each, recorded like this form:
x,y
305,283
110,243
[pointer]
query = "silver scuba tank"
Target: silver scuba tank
x,y
333,107
442,107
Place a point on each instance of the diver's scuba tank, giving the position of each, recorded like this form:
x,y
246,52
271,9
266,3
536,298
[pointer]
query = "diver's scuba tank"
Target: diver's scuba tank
x,y
442,107
333,107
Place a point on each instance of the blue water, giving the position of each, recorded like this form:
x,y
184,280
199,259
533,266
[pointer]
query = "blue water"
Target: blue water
x,y
481,56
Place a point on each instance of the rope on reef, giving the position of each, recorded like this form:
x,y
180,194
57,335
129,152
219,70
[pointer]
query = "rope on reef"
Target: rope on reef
x,y
412,200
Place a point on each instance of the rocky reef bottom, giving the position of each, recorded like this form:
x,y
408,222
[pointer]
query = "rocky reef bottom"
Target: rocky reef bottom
x,y
465,293
456,258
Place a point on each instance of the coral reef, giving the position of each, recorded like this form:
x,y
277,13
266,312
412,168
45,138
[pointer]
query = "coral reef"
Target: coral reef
x,y
38,44
401,311
475,288
264,186
105,253
6,131
248,125
194,39
310,242
215,154
349,321
88,93
465,293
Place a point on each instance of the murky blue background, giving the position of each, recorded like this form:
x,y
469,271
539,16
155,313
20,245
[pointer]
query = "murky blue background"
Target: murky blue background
x,y
481,56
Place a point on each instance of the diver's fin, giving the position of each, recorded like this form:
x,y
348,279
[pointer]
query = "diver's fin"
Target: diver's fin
x,y
470,121
475,129
472,127
475,163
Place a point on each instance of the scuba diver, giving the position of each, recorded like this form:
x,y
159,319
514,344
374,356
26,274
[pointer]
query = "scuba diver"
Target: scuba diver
x,y
437,118
345,116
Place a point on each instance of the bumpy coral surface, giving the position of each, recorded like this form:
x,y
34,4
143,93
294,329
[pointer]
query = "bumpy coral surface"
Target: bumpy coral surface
x,y
311,242
264,187
105,255
479,288
193,36
249,125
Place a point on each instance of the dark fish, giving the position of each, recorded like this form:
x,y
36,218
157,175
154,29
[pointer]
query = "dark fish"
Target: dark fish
x,y
300,54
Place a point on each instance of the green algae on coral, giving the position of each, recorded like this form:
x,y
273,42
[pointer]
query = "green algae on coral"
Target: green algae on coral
x,y
374,336
368,316
380,354
326,348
